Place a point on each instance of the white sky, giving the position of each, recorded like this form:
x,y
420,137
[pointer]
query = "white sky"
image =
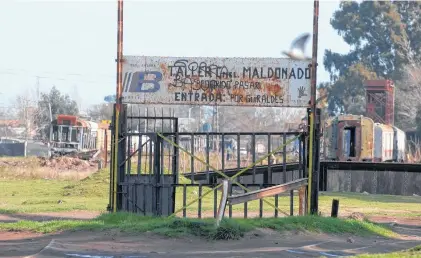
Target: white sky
x,y
72,44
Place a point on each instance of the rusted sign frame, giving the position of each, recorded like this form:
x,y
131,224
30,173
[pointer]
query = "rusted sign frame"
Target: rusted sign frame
x,y
234,81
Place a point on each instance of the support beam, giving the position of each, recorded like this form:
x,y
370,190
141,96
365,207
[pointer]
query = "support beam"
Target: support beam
x,y
267,192
300,184
223,203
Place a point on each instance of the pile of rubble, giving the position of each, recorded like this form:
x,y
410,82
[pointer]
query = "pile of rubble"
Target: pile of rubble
x,y
66,163
22,163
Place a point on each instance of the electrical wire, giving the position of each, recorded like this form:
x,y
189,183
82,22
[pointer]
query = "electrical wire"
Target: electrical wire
x,y
22,72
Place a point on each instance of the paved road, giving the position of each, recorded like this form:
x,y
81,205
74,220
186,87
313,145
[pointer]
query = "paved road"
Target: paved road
x,y
110,245
310,249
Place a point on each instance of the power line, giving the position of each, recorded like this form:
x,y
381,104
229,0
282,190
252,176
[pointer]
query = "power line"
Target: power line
x,y
56,78
49,72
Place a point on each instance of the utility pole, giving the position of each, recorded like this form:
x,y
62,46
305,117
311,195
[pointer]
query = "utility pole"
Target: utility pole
x,y
116,122
313,151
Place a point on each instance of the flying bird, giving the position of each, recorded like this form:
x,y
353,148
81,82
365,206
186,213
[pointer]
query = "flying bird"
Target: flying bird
x,y
296,51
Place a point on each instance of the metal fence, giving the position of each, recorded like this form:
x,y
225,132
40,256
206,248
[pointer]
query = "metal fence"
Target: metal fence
x,y
162,171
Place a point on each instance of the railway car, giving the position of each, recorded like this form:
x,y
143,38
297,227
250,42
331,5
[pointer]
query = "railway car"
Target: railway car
x,y
399,145
383,147
349,138
358,138
70,133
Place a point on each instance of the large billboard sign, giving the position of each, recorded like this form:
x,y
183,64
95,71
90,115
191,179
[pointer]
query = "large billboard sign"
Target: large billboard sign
x,y
269,82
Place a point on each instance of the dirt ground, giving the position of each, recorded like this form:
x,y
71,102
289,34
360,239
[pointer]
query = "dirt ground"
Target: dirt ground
x,y
85,215
260,243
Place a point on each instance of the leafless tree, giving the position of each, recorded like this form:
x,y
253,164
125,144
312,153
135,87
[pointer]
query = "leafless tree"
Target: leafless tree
x,y
26,111
102,111
260,119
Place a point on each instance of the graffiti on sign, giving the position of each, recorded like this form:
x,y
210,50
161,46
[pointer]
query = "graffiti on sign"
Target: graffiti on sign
x,y
272,82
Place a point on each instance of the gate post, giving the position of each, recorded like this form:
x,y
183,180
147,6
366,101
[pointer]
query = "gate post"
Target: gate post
x,y
121,154
314,195
316,173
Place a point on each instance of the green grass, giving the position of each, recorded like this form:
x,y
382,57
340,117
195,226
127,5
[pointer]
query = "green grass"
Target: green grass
x,y
205,228
39,195
410,253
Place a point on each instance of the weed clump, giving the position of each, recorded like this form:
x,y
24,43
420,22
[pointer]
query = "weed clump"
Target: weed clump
x,y
228,230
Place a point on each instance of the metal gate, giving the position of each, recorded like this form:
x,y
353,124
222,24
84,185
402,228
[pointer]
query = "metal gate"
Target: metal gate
x,y
162,171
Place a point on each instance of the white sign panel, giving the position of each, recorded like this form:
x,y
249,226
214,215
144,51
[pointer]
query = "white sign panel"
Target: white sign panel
x,y
270,82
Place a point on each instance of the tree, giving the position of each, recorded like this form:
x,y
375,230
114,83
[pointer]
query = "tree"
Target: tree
x,y
408,97
385,37
101,112
59,104
26,112
259,119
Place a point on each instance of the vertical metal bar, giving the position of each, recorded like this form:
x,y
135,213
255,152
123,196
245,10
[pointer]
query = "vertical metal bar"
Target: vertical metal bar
x,y
304,156
134,190
162,119
291,203
316,171
245,205
300,158
207,157
151,154
223,152
129,152
184,200
284,157
230,205
154,121
147,120
121,173
238,151
215,203
199,210
139,155
144,185
269,173
157,175
118,97
161,158
261,204
170,155
253,151
176,157
191,158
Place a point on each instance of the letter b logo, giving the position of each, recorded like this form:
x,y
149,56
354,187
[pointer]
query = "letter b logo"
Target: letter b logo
x,y
140,84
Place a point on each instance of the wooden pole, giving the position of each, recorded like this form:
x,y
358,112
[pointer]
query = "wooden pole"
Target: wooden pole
x,y
312,166
118,99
